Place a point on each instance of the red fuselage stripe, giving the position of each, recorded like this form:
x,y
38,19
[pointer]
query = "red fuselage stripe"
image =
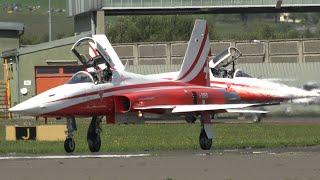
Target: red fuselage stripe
x,y
233,84
148,85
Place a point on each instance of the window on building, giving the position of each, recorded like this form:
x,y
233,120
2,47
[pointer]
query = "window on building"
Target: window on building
x,y
72,69
48,70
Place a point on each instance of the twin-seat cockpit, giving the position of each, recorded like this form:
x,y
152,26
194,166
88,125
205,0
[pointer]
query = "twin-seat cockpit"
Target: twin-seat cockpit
x,y
220,64
96,77
96,61
98,64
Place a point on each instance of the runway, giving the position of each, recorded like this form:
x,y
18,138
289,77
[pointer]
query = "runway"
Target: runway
x,y
287,164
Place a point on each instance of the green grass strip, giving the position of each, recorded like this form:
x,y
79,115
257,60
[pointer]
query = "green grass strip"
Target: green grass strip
x,y
175,137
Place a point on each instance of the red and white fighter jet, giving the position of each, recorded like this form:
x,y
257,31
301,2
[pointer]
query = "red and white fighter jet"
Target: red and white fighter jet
x,y
109,89
249,89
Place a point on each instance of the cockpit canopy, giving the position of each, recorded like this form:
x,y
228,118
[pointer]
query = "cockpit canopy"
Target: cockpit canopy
x,y
224,58
81,77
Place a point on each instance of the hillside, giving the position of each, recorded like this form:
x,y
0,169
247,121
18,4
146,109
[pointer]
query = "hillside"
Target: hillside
x,y
31,6
34,14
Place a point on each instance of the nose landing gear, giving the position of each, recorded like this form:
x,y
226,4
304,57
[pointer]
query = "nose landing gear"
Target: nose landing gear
x,y
69,144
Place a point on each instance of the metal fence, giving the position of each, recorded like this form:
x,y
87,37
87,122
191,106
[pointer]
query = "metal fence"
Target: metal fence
x,y
295,74
174,3
80,6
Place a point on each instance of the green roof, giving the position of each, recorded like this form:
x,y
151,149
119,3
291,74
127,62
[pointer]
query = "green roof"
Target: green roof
x,y
44,46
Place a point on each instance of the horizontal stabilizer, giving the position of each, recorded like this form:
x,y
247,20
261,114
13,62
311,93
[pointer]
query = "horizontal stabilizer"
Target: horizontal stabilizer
x,y
204,107
208,107
247,111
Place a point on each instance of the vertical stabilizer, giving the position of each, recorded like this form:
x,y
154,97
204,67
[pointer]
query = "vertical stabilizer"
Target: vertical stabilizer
x,y
194,69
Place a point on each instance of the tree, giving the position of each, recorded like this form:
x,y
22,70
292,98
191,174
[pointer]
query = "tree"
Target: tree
x,y
151,28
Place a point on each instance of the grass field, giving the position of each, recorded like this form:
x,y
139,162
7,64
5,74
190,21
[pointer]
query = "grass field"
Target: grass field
x,y
37,24
44,4
174,137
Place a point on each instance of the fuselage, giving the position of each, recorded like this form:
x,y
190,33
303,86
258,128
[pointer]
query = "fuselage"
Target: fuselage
x,y
253,90
124,93
259,90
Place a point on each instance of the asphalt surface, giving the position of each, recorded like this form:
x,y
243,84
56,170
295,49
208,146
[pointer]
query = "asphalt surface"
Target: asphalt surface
x,y
286,164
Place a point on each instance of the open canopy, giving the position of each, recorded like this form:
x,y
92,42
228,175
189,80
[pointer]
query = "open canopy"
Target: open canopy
x,y
95,50
224,58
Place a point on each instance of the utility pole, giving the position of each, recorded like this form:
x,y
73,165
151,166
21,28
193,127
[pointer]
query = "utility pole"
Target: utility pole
x,y
49,20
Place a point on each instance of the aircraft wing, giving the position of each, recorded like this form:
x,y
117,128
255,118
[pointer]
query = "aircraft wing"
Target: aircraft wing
x,y
204,107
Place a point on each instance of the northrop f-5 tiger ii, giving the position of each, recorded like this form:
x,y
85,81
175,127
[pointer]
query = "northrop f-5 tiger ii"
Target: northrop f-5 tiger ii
x,y
106,89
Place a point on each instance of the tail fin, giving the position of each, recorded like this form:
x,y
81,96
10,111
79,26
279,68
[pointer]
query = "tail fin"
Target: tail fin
x,y
106,49
194,69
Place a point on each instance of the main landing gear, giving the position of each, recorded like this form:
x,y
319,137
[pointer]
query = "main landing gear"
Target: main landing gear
x,y
93,135
191,118
69,144
206,134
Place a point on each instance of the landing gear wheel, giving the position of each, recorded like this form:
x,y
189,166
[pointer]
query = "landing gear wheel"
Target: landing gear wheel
x,y
94,142
69,145
256,118
204,141
93,135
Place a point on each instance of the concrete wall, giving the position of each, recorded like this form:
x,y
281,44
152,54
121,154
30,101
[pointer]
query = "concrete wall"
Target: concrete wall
x,y
293,74
278,51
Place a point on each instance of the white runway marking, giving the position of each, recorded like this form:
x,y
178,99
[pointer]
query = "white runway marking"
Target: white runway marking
x,y
259,152
73,156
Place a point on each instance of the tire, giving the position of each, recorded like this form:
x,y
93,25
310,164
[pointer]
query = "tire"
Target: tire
x,y
204,141
69,145
94,142
256,118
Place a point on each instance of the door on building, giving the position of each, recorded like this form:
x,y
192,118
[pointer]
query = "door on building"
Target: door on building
x,y
48,77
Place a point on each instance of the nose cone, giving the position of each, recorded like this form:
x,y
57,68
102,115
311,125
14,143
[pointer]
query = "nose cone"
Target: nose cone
x,y
26,108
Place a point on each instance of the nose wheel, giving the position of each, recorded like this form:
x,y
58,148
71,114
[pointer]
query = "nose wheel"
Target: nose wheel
x,y
69,144
93,134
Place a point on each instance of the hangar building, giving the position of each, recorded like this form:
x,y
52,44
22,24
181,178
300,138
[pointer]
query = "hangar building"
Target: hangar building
x,y
10,33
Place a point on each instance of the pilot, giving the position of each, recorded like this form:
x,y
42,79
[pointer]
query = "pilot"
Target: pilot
x,y
107,74
223,73
230,73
